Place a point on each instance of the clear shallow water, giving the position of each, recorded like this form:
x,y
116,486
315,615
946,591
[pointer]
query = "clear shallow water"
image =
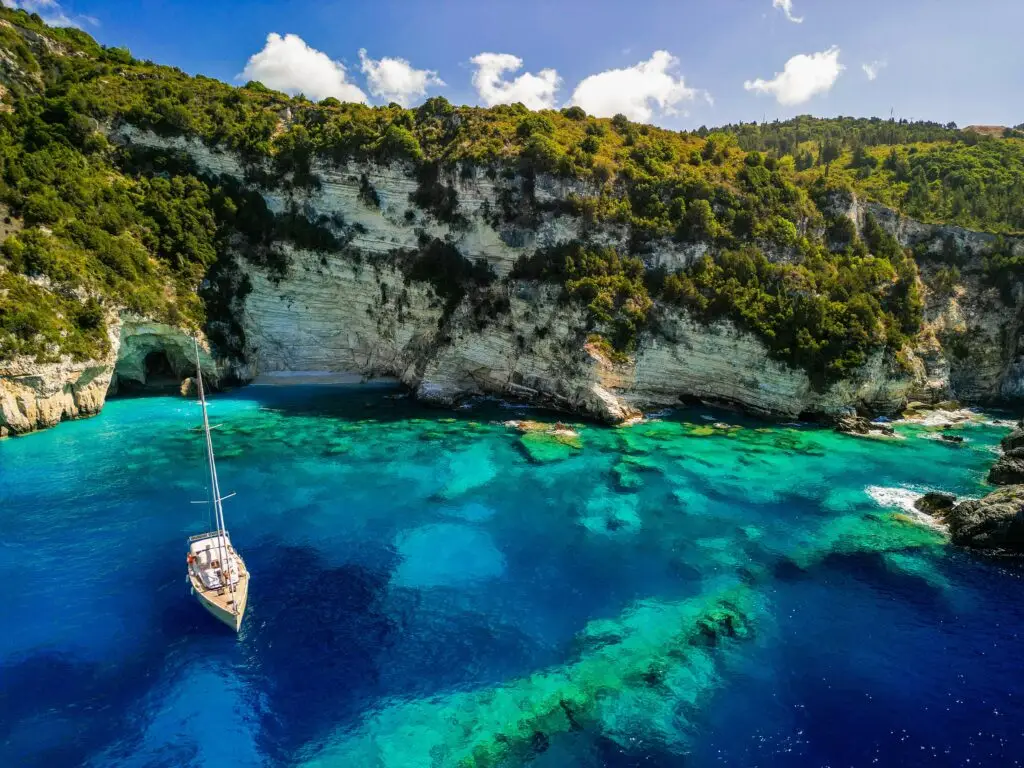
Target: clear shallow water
x,y
430,589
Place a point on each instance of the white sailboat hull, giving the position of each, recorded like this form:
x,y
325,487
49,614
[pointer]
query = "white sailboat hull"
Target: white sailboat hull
x,y
223,592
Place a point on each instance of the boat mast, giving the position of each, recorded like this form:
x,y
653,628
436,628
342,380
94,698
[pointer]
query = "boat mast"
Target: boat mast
x,y
218,508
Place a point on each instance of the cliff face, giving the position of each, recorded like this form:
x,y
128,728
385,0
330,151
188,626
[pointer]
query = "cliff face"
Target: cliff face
x,y
38,395
33,396
356,309
335,312
970,345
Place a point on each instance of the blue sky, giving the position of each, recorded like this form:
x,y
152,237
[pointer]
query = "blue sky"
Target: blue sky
x,y
933,59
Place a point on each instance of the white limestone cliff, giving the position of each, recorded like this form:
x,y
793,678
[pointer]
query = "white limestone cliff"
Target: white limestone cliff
x,y
37,395
354,310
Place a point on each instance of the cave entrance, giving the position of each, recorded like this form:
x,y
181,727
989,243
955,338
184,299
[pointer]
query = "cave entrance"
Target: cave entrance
x,y
158,370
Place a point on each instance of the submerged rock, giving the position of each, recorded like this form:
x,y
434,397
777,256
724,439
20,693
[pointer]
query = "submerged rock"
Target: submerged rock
x,y
935,504
858,425
995,522
1009,470
542,442
544,447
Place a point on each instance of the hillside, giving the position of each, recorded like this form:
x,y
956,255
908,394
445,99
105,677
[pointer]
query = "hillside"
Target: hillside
x,y
132,190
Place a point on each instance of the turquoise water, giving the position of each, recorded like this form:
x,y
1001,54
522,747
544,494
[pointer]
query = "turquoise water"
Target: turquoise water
x,y
433,588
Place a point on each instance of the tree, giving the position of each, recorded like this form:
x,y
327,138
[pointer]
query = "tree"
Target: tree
x,y
830,151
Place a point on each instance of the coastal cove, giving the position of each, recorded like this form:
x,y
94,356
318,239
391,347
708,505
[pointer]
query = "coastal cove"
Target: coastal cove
x,y
449,588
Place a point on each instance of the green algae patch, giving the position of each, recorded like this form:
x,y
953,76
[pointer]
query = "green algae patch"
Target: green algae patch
x,y
884,533
543,443
628,471
337,447
610,514
626,478
542,448
919,567
647,672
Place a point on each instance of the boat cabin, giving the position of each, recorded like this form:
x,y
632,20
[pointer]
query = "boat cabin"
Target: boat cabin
x,y
204,558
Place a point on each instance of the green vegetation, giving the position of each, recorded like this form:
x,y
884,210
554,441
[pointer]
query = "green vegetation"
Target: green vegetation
x,y
933,172
108,229
824,314
612,287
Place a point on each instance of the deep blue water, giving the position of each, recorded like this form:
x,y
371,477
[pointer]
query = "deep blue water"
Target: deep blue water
x,y
422,581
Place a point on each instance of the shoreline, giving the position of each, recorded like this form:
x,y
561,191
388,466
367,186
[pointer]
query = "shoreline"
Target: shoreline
x,y
326,378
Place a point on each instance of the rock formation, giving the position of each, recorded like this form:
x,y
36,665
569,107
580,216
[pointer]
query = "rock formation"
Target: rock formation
x,y
935,504
36,395
994,523
858,425
1009,470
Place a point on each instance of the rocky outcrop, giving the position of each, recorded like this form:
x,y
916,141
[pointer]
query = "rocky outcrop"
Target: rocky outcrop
x,y
34,396
1009,469
994,523
1013,440
935,504
37,395
858,425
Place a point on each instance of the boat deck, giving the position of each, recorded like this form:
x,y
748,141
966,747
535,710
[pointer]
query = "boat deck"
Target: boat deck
x,y
221,601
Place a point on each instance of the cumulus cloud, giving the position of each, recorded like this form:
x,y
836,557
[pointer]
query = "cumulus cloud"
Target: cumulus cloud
x,y
51,12
534,91
787,8
803,77
872,69
288,64
396,79
635,91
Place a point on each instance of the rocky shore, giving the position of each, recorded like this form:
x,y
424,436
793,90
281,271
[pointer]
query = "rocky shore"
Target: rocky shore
x,y
994,523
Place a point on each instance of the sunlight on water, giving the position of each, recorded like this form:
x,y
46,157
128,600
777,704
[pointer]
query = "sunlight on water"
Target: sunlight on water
x,y
436,590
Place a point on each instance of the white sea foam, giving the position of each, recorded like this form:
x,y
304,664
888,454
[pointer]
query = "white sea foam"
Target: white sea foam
x,y
939,418
903,499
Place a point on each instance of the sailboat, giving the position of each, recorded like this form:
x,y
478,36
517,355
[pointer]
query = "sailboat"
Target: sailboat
x,y
217,573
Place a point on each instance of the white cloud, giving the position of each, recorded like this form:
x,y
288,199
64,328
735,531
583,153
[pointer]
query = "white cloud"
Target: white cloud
x,y
635,91
872,69
534,91
288,64
396,80
787,8
51,12
803,77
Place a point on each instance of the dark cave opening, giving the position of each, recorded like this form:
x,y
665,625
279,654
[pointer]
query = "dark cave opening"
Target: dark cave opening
x,y
158,370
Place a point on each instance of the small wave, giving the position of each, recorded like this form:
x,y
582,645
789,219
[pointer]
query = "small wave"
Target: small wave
x,y
902,499
664,413
514,406
965,417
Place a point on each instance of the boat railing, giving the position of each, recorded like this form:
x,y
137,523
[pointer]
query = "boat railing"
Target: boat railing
x,y
208,535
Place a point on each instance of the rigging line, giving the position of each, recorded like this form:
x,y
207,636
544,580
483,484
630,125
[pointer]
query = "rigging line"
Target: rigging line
x,y
214,485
